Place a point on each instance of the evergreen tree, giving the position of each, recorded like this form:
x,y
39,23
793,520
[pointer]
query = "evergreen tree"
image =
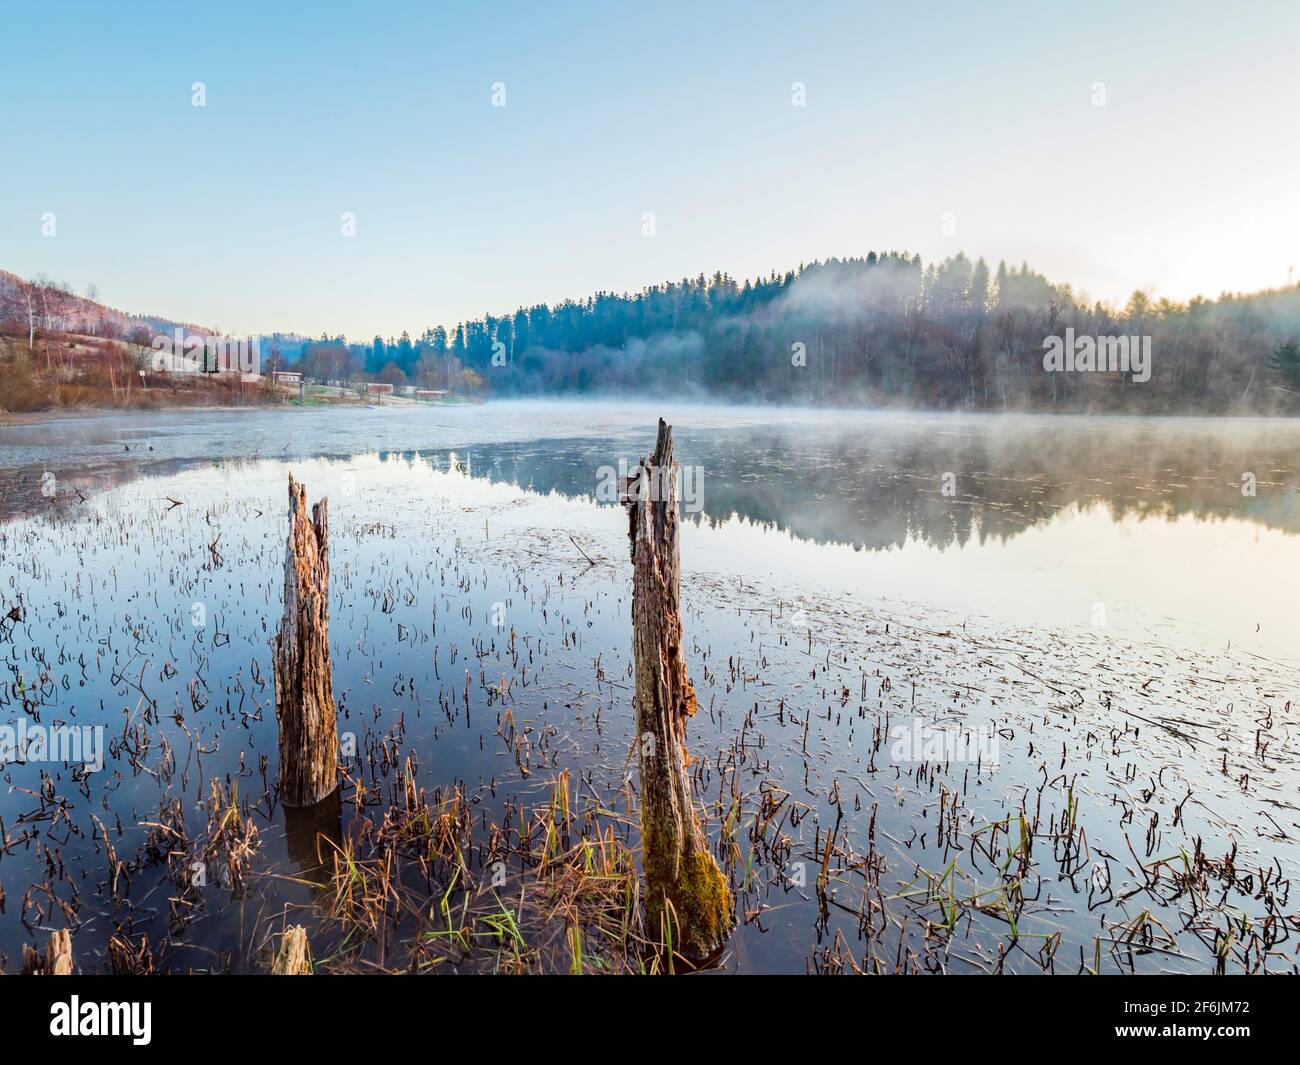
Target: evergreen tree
x,y
1285,362
377,356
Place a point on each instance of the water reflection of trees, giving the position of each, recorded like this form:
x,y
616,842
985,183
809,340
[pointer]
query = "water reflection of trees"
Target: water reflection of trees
x,y
873,484
880,490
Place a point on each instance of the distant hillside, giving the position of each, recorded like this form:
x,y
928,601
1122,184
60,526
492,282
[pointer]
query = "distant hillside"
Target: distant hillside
x,y
50,307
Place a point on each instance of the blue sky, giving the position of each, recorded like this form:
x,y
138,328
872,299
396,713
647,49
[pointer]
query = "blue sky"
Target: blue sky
x,y
229,215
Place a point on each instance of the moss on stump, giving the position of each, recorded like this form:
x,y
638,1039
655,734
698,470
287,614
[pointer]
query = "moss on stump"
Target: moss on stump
x,y
701,900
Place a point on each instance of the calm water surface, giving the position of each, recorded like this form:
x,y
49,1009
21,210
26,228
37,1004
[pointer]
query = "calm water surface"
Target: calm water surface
x,y
1113,598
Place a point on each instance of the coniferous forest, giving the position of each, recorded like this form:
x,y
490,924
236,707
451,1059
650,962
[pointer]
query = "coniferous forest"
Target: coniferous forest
x,y
883,330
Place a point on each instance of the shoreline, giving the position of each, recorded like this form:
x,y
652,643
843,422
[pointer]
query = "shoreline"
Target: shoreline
x,y
778,412
56,414
59,414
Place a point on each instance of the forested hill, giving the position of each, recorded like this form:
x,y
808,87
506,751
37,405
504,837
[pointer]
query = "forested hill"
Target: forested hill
x,y
879,330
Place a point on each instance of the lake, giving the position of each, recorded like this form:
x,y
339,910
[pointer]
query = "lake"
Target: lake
x,y
977,693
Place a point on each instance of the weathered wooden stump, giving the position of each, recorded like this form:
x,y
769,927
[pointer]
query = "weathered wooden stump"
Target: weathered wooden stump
x,y
294,957
57,959
683,880
304,687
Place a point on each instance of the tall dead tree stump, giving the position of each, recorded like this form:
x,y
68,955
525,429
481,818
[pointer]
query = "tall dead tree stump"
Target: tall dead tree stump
x,y
682,877
304,688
